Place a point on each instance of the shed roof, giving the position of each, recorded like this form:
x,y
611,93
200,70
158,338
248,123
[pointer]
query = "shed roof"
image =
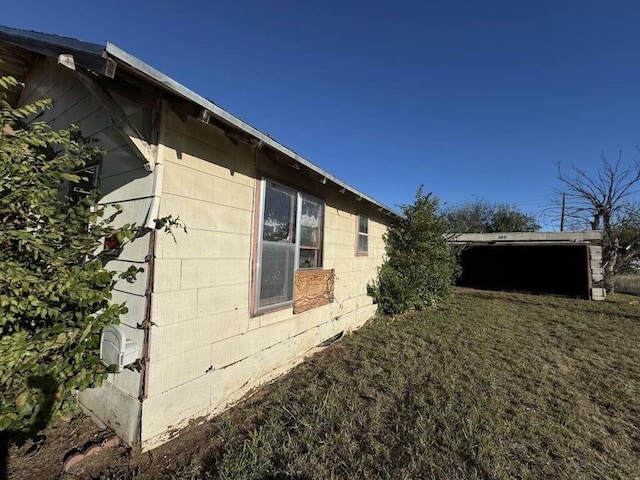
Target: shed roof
x,y
96,57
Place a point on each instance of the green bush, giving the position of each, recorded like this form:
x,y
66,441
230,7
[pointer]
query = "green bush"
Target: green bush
x,y
420,264
55,291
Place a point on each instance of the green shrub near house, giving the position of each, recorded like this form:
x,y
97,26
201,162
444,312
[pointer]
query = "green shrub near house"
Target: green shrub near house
x,y
55,292
420,264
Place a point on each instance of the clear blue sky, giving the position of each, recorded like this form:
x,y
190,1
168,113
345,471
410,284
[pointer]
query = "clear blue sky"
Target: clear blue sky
x,y
473,99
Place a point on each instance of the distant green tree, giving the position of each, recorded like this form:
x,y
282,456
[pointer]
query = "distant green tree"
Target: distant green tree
x,y
420,263
472,216
481,216
507,218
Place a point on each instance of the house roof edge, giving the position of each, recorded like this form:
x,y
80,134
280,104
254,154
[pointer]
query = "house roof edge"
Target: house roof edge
x,y
177,88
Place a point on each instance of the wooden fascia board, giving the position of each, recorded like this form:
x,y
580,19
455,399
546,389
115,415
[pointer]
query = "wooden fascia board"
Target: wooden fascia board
x,y
136,140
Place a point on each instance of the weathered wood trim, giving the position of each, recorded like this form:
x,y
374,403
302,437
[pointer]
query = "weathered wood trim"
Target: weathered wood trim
x,y
140,146
589,292
312,289
255,245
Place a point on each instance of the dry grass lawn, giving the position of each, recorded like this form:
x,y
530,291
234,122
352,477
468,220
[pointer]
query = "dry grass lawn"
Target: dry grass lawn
x,y
628,284
492,386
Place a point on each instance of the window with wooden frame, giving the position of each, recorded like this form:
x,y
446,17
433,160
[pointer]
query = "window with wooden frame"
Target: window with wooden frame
x,y
290,238
362,240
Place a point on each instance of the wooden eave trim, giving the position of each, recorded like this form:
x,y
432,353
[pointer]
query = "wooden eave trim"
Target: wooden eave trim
x,y
134,138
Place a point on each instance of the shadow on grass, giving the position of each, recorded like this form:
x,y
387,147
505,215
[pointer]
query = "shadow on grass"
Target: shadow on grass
x,y
48,388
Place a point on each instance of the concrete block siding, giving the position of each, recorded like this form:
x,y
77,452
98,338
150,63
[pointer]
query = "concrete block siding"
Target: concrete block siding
x,y
190,310
206,348
122,181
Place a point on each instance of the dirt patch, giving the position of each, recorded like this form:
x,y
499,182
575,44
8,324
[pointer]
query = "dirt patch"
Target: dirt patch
x,y
44,457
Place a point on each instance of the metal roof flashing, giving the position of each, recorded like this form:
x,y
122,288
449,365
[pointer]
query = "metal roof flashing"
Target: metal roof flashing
x,y
88,55
157,77
26,37
96,57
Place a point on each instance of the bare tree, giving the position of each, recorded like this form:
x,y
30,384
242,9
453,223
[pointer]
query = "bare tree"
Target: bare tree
x,y
602,201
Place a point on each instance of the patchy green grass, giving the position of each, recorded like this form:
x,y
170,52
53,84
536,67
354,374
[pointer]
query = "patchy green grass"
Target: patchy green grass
x,y
492,386
628,284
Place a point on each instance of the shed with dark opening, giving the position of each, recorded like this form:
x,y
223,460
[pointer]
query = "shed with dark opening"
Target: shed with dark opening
x,y
560,263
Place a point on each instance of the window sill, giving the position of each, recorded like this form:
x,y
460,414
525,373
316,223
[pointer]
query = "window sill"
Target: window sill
x,y
274,309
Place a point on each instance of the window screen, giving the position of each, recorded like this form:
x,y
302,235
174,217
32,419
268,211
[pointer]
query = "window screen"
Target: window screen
x,y
291,228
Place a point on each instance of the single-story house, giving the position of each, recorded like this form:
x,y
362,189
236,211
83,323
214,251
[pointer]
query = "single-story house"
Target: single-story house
x,y
277,253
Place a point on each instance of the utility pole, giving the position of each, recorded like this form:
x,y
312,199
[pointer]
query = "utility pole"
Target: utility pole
x,y
564,198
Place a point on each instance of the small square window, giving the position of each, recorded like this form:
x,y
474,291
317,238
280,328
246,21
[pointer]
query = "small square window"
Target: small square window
x,y
362,242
